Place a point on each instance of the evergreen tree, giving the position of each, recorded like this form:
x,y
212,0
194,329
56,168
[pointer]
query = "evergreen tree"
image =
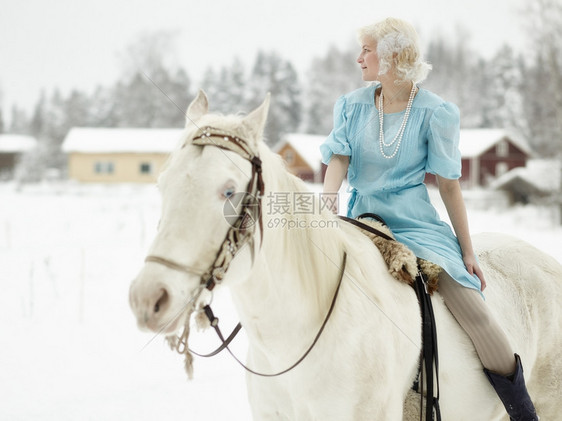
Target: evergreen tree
x,y
273,74
217,88
179,92
102,104
545,18
58,118
19,122
135,102
503,106
542,90
237,85
38,118
77,110
210,84
156,100
227,88
538,110
543,80
33,164
168,96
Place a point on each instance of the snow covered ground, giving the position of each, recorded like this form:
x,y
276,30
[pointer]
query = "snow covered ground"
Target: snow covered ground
x,y
70,349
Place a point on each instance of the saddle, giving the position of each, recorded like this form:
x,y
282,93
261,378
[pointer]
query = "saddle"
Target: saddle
x,y
401,262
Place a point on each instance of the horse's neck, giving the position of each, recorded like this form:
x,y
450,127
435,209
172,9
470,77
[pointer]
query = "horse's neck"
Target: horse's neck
x,y
297,269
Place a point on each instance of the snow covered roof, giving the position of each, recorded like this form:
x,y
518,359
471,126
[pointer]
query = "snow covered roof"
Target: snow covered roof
x,y
544,174
117,140
16,143
306,145
474,142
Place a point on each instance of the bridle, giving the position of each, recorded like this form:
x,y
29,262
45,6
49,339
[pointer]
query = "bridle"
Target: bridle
x,y
240,234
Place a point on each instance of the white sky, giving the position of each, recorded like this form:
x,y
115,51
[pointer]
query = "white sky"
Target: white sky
x,y
75,43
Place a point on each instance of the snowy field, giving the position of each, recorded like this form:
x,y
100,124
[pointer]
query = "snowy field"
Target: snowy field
x,y
70,347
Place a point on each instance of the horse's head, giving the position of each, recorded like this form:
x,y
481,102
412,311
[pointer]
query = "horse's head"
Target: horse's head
x,y
199,224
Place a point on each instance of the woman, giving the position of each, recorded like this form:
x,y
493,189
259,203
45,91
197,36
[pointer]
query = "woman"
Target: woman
x,y
386,136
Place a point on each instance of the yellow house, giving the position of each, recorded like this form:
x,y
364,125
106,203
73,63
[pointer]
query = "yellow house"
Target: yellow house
x,y
118,155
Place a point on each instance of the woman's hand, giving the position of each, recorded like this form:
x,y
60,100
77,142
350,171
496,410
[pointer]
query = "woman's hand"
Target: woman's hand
x,y
473,268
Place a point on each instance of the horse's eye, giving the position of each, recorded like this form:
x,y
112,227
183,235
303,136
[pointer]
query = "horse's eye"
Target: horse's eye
x,y
228,192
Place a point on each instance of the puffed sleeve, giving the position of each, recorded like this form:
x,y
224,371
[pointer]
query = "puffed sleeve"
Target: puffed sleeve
x,y
336,142
443,155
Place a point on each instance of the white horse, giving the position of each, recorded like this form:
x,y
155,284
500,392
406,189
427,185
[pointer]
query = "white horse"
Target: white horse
x,y
282,284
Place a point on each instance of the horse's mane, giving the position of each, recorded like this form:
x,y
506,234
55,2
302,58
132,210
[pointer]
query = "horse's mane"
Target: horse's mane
x,y
317,252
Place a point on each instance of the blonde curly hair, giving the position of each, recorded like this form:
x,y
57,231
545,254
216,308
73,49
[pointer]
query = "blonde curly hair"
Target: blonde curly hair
x,y
398,45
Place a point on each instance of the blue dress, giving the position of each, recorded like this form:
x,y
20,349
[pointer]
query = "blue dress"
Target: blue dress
x,y
394,188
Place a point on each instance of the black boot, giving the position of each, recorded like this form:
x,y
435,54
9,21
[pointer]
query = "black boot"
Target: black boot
x,y
513,393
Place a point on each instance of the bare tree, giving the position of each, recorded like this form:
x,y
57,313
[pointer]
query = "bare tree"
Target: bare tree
x,y
148,53
153,91
544,20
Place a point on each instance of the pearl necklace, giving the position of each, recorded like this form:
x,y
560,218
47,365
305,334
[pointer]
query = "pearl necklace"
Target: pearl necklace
x,y
398,138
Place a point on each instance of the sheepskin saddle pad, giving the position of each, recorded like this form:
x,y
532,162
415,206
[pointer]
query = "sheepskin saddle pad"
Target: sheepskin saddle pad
x,y
402,263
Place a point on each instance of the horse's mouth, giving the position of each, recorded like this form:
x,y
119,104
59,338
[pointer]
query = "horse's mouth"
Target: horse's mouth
x,y
167,324
172,327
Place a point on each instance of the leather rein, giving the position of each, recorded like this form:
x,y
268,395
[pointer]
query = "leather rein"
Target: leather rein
x,y
240,233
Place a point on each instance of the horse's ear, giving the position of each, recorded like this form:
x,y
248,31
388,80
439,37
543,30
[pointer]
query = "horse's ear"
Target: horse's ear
x,y
255,121
198,107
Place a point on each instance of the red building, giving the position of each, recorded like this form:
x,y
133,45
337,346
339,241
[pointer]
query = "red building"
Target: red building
x,y
487,154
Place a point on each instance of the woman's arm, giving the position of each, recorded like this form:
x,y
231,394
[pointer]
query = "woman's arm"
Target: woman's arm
x,y
335,174
450,191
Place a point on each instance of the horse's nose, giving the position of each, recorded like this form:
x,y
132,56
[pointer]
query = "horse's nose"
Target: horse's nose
x,y
149,307
162,300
